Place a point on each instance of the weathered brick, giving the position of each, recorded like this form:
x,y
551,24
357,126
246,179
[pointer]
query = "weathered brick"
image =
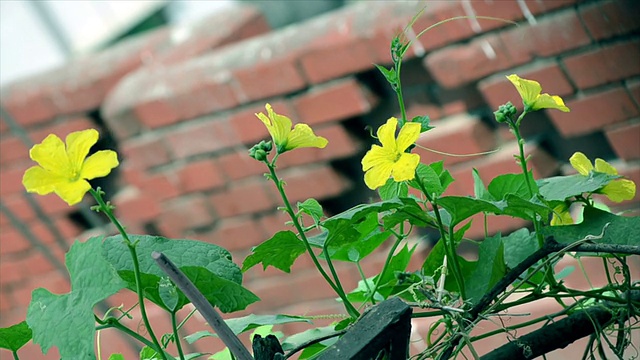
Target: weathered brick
x,y
243,198
458,135
605,19
11,179
135,206
320,182
340,145
200,175
11,241
625,141
497,90
12,271
238,165
634,90
19,207
593,112
236,234
12,149
249,128
62,127
145,152
202,137
552,35
604,65
334,102
183,214
276,77
335,55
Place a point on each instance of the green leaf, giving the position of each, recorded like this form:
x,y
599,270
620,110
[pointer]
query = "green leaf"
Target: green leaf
x,y
433,264
249,322
14,337
518,246
478,187
389,74
515,184
312,208
168,294
398,263
488,270
148,353
211,258
67,321
296,340
619,231
426,175
445,176
393,189
226,294
116,357
563,187
411,212
461,208
356,251
525,209
424,122
281,251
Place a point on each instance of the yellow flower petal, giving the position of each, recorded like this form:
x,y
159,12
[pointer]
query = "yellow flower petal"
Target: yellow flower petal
x,y
405,167
546,101
78,145
581,163
99,164
387,134
619,190
408,135
72,192
376,156
281,126
561,215
604,167
378,176
303,136
51,155
529,90
40,181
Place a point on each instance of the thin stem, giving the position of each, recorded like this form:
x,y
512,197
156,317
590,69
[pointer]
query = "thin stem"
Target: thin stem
x,y
15,355
106,209
362,276
113,323
296,222
387,261
176,337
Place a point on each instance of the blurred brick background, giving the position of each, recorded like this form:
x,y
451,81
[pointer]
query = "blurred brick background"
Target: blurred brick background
x,y
178,105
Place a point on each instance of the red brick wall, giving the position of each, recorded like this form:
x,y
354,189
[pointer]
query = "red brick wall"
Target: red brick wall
x,y
180,110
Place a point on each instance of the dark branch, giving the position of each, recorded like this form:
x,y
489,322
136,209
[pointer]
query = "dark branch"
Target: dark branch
x,y
563,332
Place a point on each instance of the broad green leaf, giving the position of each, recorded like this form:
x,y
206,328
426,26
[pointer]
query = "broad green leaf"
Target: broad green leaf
x,y
168,293
183,253
427,177
488,270
424,122
312,208
67,321
563,187
518,246
148,353
445,176
14,337
393,189
525,209
478,187
281,251
296,340
357,251
515,184
221,355
225,294
411,212
461,208
249,322
116,357
619,231
398,263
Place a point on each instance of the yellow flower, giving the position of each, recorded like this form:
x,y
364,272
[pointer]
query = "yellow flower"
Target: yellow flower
x,y
390,159
530,93
617,190
64,170
561,215
284,138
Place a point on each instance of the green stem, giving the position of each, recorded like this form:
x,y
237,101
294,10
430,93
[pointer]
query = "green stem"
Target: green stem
x,y
106,209
362,276
176,337
15,355
113,323
398,90
371,297
296,222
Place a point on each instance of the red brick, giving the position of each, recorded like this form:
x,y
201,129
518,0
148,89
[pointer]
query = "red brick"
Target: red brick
x,y
161,186
11,241
243,198
11,179
236,234
458,135
497,90
28,103
336,55
200,138
272,223
12,271
12,149
625,141
317,182
334,102
445,33
68,231
249,128
593,112
553,35
133,206
200,175
145,152
610,18
340,145
62,128
457,65
605,65
182,214
19,207
634,90
238,165
37,265
6,305
52,204
262,80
